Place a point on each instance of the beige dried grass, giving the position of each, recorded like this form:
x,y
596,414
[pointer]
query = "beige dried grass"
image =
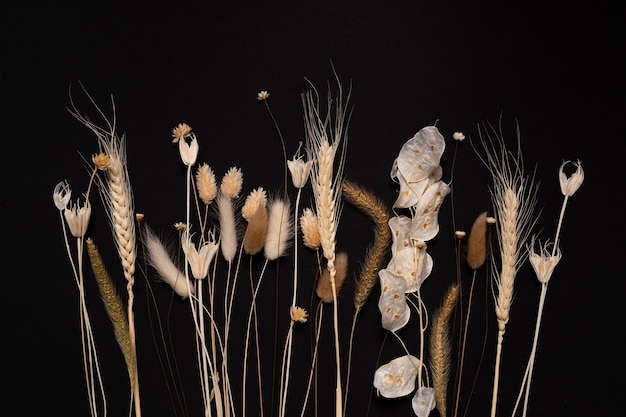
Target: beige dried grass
x,y
441,347
477,242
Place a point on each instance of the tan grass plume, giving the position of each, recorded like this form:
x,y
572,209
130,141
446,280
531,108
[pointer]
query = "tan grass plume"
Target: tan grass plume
x,y
376,254
324,288
441,347
477,242
113,305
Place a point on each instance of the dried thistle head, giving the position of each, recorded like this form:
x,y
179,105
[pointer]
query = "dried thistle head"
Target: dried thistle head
x,y
324,289
298,314
101,161
206,184
231,183
182,131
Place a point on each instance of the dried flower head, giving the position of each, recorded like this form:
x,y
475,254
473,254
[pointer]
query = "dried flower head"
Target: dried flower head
x,y
310,230
491,220
77,218
299,170
460,234
544,262
188,151
139,217
206,184
257,198
199,260
298,314
458,136
262,96
101,161
182,131
231,183
180,226
62,194
569,185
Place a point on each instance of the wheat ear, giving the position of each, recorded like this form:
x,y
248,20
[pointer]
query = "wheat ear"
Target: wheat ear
x,y
514,197
441,347
322,143
117,196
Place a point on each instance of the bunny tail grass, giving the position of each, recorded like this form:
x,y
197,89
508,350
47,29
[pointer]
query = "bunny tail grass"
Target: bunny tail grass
x,y
158,257
228,227
477,242
441,347
374,208
324,288
279,229
114,306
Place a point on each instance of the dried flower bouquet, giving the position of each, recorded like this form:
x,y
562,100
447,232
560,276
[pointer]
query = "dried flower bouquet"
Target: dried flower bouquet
x,y
221,229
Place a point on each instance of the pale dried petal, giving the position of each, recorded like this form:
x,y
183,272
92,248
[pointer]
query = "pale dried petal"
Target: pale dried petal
x,y
392,302
397,378
423,401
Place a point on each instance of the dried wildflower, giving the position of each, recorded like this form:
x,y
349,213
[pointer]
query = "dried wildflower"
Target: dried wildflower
x,y
188,151
397,377
205,182
232,182
257,198
569,185
459,234
491,220
543,262
262,96
139,217
101,161
77,218
61,195
298,314
299,170
182,131
180,226
310,229
199,260
458,136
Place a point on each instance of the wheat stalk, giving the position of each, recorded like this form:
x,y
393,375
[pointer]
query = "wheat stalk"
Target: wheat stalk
x,y
322,144
514,197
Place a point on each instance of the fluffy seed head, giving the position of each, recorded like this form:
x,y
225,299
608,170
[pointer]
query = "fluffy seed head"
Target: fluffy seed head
x,y
324,288
310,229
205,182
232,182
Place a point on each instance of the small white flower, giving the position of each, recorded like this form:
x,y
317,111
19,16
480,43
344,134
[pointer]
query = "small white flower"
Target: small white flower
x,y
543,262
460,234
77,218
491,220
199,261
61,195
180,226
397,377
188,151
299,170
262,96
569,185
458,136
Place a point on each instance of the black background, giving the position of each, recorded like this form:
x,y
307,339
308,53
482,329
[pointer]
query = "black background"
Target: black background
x,y
556,71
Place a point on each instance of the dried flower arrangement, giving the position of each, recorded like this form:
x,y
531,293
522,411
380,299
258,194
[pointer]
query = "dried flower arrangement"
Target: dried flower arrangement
x,y
219,223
